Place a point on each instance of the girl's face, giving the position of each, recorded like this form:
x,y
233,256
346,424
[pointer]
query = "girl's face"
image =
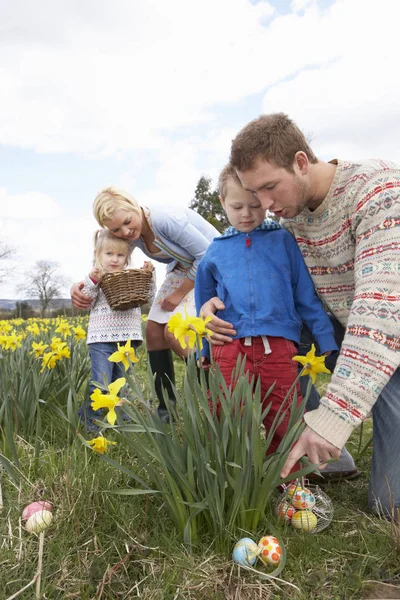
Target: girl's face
x,y
113,259
125,224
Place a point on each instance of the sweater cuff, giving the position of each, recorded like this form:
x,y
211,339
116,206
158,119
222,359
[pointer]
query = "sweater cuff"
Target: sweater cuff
x,y
329,425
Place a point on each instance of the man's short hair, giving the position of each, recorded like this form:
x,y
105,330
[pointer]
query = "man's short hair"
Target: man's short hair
x,y
272,137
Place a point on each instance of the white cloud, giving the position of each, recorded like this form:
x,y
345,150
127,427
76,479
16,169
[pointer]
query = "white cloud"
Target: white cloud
x,y
29,205
124,74
350,106
66,241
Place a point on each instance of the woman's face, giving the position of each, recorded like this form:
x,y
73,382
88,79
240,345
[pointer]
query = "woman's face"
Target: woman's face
x,y
125,224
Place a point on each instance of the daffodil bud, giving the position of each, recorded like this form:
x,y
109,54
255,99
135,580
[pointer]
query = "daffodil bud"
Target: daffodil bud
x,y
39,521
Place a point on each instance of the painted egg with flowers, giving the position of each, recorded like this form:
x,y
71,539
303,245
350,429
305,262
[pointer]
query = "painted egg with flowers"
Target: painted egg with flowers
x,y
303,499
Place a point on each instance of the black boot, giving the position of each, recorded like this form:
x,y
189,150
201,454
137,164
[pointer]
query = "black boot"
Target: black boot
x,y
162,367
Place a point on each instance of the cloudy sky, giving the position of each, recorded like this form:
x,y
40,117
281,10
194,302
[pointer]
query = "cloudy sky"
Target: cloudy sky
x,y
147,94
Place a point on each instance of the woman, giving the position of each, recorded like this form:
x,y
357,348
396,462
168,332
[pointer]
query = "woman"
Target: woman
x,y
178,238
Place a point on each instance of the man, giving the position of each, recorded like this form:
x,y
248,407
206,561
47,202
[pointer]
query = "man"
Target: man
x,y
345,217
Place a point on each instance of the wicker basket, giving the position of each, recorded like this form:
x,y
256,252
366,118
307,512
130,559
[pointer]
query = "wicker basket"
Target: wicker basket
x,y
127,289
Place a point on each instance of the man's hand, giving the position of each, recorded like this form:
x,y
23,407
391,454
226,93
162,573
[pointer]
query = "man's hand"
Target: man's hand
x,y
223,331
79,300
312,445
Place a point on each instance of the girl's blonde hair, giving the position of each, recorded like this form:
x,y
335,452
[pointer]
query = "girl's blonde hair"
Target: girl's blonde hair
x,y
104,239
111,199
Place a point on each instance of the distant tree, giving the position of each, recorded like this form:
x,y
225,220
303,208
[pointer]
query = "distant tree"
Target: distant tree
x,y
23,310
43,282
206,203
6,254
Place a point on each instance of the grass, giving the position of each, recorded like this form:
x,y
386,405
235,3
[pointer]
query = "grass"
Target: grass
x,y
103,546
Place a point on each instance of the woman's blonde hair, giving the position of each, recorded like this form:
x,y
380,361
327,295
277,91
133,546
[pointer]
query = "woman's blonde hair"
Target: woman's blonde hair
x,y
111,199
104,239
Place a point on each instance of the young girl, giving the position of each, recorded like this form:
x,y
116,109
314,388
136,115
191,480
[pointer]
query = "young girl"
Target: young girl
x,y
107,327
177,237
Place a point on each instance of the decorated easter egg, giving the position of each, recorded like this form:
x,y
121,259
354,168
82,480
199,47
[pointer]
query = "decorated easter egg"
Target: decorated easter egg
x,y
286,511
35,507
39,521
305,520
292,489
245,552
271,552
303,499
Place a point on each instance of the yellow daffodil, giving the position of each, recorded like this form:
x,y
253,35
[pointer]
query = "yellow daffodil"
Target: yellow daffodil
x,y
186,330
38,349
124,354
199,326
64,328
312,364
100,444
109,401
63,351
80,333
34,329
13,342
6,328
55,341
180,328
49,360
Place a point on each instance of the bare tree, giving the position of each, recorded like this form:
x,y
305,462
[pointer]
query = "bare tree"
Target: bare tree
x,y
6,254
43,282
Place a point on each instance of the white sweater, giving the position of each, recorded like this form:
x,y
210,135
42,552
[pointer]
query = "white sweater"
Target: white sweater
x,y
351,245
107,325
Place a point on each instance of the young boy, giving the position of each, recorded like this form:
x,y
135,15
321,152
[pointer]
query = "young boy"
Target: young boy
x,y
258,272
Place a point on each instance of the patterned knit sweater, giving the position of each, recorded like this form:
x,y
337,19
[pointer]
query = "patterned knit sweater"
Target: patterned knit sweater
x,y
351,245
107,325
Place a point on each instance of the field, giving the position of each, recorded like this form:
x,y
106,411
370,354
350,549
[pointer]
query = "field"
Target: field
x,y
108,545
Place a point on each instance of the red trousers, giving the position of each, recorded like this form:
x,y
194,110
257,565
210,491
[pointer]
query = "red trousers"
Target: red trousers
x,y
277,367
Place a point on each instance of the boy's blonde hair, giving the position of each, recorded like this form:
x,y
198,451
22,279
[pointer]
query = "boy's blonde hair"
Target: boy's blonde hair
x,y
227,173
111,199
272,137
105,239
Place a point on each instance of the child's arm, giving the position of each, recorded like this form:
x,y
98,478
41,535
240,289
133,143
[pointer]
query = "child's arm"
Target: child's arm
x,y
91,286
204,289
153,286
307,301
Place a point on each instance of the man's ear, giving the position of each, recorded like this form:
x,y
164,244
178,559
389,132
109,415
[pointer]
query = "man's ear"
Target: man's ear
x,y
222,201
301,161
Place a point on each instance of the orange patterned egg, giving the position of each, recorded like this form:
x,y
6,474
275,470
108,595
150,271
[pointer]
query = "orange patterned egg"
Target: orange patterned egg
x,y
271,552
286,511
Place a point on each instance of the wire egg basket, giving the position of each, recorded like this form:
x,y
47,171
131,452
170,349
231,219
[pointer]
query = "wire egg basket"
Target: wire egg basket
x,y
305,506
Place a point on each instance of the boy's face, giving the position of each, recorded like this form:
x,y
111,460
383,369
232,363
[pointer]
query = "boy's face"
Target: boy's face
x,y
283,193
243,210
